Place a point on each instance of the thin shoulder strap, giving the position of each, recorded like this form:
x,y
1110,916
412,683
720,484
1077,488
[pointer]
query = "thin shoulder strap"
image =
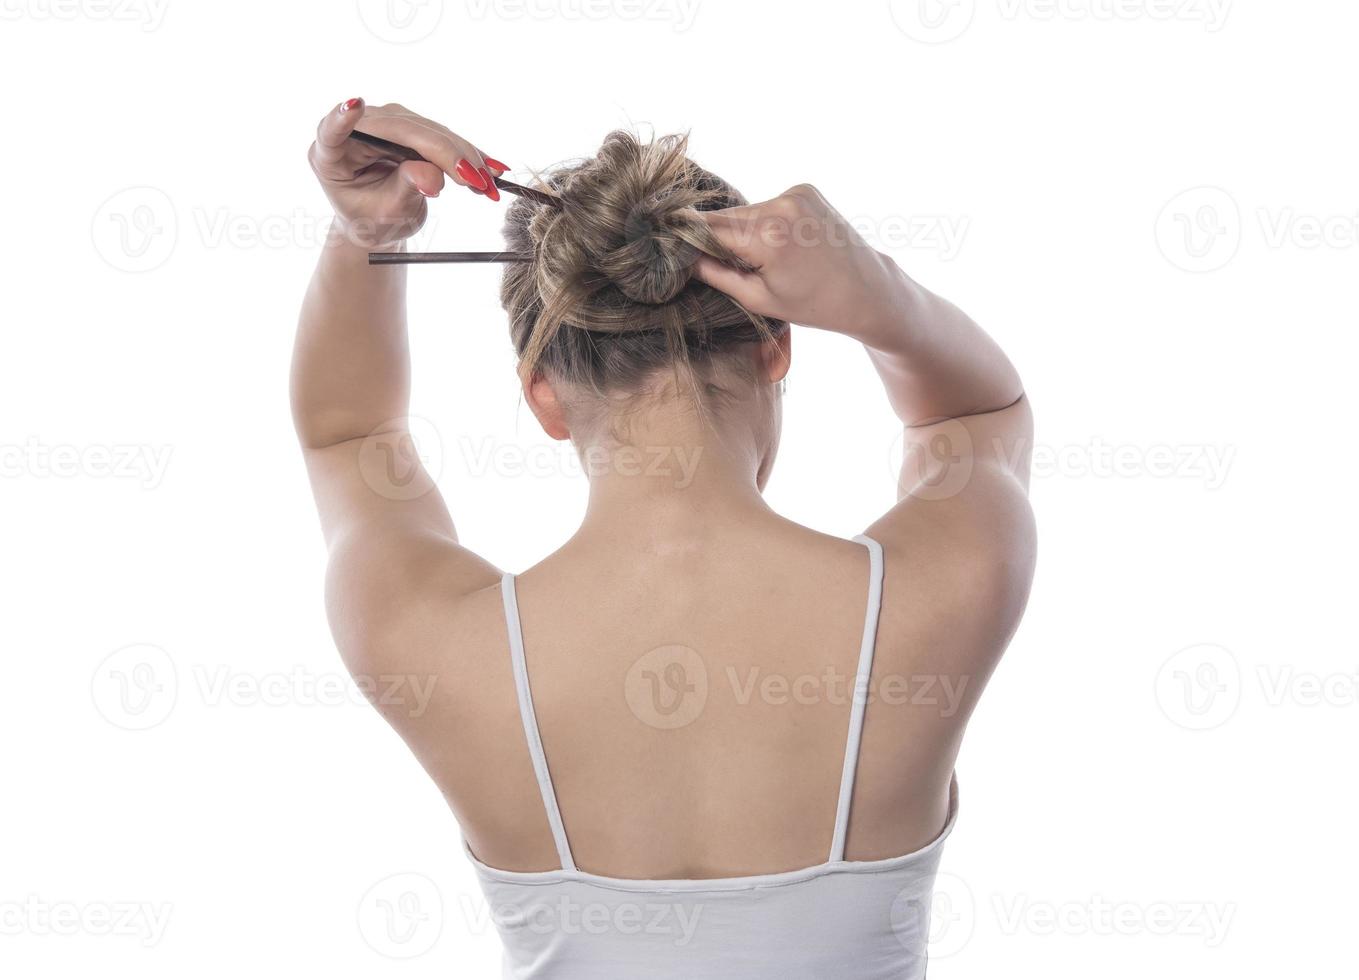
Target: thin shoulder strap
x,y
860,699
530,720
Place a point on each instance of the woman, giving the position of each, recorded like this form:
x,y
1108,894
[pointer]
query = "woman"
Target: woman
x,y
698,739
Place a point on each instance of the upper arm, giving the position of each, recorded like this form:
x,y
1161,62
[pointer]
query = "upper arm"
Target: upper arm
x,y
393,551
962,537
951,457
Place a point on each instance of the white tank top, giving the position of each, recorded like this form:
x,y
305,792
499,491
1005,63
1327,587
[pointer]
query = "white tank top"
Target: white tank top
x,y
858,919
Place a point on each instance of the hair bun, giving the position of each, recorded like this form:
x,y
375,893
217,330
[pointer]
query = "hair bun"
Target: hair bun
x,y
609,295
654,263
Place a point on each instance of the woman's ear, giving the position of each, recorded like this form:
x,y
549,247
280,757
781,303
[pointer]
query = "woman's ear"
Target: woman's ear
x,y
776,356
546,406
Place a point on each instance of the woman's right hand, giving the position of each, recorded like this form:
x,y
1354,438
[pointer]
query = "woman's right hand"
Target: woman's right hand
x,y
811,266
379,200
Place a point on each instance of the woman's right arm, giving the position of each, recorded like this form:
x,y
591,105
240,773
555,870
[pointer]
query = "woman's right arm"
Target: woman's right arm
x,y
938,366
962,530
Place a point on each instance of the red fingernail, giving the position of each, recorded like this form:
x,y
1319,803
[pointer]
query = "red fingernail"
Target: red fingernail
x,y
352,103
469,173
491,191
495,164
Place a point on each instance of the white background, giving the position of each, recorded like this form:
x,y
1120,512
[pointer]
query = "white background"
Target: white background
x,y
1150,203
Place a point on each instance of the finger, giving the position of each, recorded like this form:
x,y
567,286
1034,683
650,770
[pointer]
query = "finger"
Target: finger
x,y
747,288
475,180
475,158
469,165
435,143
332,133
738,229
331,154
494,168
423,178
737,213
492,191
489,171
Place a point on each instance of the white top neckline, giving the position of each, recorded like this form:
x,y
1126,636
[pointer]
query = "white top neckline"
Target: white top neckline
x,y
730,883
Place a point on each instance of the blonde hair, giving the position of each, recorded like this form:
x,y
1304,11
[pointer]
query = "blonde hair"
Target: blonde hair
x,y
608,298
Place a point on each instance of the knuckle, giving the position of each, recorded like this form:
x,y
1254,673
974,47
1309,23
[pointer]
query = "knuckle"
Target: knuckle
x,y
796,201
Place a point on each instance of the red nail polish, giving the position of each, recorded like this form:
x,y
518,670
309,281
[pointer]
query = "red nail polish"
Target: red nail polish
x,y
351,104
469,173
491,190
495,164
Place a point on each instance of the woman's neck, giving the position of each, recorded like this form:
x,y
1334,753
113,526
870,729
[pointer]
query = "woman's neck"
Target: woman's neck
x,y
683,480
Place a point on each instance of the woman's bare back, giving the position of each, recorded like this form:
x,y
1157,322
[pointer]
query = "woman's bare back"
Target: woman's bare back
x,y
693,695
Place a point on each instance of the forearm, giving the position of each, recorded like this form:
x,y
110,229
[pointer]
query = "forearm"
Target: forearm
x,y
351,364
935,361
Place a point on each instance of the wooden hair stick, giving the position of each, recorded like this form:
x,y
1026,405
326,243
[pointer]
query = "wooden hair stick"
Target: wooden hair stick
x,y
421,258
